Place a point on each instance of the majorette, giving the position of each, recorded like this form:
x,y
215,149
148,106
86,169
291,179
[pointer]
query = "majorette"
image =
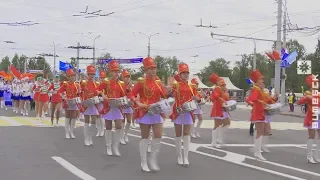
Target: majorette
x,y
127,111
89,91
56,100
71,90
257,99
36,94
183,92
217,109
195,131
309,99
100,123
43,98
150,90
112,90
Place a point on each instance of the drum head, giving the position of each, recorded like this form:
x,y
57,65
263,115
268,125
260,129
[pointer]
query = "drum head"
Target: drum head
x,y
231,102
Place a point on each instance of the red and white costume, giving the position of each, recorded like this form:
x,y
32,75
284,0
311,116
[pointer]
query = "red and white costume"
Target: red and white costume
x,y
88,91
309,99
100,123
71,90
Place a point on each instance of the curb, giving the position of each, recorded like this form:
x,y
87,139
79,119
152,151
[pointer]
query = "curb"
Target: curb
x,y
293,115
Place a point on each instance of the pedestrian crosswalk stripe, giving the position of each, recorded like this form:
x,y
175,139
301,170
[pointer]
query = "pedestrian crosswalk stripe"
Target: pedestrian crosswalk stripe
x,y
206,124
22,121
4,123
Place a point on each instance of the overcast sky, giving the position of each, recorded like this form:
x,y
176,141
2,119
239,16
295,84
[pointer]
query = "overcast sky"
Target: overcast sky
x,y
174,20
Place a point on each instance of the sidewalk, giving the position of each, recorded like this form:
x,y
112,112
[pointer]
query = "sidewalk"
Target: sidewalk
x,y
284,110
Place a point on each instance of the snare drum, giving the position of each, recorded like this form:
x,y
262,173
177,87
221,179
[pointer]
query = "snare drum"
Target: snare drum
x,y
159,107
118,102
273,109
202,102
171,101
129,104
187,107
73,101
91,102
230,105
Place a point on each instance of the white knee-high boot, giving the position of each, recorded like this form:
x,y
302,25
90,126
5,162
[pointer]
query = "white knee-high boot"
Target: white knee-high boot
x,y
67,127
91,133
155,149
257,153
73,121
116,142
102,127
86,134
317,154
122,136
98,126
214,138
198,128
126,130
178,150
108,138
309,151
186,143
143,146
265,140
222,133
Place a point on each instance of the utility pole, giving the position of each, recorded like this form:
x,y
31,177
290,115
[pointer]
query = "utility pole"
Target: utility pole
x,y
149,39
54,59
277,68
25,65
94,50
254,55
283,80
78,54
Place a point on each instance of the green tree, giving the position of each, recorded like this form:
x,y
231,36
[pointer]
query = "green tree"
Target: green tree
x,y
19,65
5,64
219,66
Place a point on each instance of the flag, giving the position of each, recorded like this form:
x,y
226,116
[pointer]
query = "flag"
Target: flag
x,y
291,57
121,61
64,66
15,72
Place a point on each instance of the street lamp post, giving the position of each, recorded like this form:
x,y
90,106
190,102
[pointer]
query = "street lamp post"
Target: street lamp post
x,y
254,55
149,38
94,49
54,59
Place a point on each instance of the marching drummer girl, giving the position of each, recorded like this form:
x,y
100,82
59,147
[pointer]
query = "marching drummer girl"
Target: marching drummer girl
x,y
267,128
2,88
258,101
56,100
89,91
217,98
150,90
226,118
43,98
127,111
308,99
100,124
183,93
113,89
36,94
71,90
26,96
198,113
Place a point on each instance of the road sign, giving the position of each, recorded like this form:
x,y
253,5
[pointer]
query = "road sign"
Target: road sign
x,y
303,67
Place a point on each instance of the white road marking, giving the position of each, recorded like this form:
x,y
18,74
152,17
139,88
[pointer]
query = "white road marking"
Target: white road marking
x,y
239,158
73,169
11,121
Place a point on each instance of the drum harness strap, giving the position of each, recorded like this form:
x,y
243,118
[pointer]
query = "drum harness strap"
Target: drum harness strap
x,y
79,107
86,89
178,94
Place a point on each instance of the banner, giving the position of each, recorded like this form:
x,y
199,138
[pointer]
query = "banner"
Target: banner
x,y
121,61
35,71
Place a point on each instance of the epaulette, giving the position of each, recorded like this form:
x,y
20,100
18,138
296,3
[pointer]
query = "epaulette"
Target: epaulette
x,y
193,85
308,93
97,83
106,80
65,83
84,82
158,81
175,84
122,83
140,80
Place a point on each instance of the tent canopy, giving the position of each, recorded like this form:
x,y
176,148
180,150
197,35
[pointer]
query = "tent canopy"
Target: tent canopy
x,y
201,85
229,84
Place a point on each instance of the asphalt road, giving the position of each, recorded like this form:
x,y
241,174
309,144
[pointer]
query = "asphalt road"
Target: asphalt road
x,y
40,152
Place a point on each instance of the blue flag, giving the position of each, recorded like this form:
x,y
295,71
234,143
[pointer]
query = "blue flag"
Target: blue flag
x,y
64,66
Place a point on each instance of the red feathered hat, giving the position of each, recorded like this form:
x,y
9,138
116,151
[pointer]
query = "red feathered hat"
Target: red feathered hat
x,y
256,75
